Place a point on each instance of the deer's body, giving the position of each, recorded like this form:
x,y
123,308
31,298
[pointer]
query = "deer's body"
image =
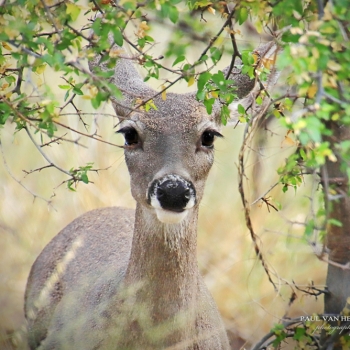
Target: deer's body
x,y
112,282
115,279
85,310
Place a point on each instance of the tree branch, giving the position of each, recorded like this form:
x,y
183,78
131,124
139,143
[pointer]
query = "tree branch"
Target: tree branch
x,y
49,202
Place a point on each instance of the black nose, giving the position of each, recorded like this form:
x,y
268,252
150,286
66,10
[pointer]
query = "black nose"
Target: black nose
x,y
172,192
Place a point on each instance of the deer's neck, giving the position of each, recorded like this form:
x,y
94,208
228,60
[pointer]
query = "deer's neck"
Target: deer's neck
x,y
163,260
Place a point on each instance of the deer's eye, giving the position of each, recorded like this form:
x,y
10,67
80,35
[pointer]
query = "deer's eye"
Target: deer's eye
x,y
208,138
130,135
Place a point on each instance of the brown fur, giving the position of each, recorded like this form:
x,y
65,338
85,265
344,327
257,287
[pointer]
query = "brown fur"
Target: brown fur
x,y
115,279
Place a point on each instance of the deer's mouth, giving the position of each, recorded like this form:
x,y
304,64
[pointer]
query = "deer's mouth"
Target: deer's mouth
x,y
171,196
170,217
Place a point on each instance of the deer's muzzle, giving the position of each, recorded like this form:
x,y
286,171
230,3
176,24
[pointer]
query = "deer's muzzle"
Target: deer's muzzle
x,y
171,196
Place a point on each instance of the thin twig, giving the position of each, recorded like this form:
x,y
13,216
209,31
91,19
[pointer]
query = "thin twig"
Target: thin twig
x,y
265,193
37,169
236,52
53,23
241,171
49,202
55,140
27,120
212,41
17,89
97,6
91,136
79,33
44,155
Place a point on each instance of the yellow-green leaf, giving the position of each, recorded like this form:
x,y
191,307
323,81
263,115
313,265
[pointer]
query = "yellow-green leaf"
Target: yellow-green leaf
x,y
6,46
191,81
73,10
163,92
40,69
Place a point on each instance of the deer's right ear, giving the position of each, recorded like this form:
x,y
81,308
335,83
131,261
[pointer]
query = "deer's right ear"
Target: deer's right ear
x,y
126,78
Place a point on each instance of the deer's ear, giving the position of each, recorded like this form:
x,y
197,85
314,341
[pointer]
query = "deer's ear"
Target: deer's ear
x,y
125,77
248,89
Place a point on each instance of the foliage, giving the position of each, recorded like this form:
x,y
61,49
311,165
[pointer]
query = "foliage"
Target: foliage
x,y
41,37
306,332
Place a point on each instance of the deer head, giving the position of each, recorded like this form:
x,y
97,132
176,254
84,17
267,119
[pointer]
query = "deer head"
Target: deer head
x,y
169,149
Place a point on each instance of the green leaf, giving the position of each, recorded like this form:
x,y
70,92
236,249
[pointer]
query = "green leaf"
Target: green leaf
x,y
202,80
73,10
335,222
150,104
141,42
77,91
95,102
215,54
96,26
178,60
259,100
247,57
241,109
164,9
10,79
288,37
149,39
298,6
219,80
285,188
70,183
66,95
173,14
64,87
118,36
208,103
130,5
200,95
85,178
299,333
203,58
224,114
242,15
309,228
5,112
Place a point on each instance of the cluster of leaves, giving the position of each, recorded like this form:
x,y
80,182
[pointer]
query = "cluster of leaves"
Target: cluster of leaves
x,y
213,86
319,56
35,36
307,332
299,334
314,109
316,53
39,37
80,174
43,36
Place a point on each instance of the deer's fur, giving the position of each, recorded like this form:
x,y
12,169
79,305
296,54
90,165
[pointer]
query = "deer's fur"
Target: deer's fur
x,y
119,279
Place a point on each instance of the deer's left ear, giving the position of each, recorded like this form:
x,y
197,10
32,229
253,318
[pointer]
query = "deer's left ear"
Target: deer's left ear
x,y
249,89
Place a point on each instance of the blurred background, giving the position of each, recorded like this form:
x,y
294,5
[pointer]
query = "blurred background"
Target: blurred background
x,y
35,207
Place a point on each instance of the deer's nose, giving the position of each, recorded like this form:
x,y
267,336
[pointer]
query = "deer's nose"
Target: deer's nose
x,y
173,193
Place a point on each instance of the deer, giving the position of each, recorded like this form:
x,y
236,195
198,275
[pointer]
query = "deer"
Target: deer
x,y
118,278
